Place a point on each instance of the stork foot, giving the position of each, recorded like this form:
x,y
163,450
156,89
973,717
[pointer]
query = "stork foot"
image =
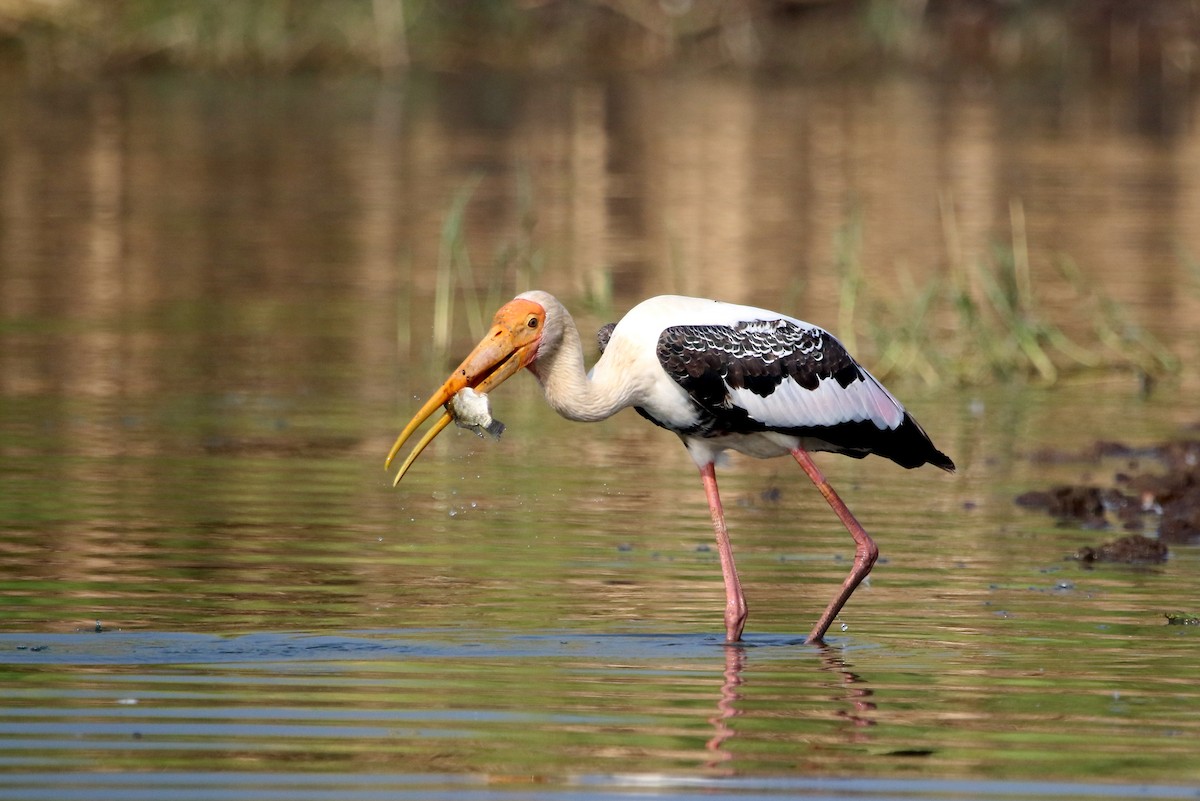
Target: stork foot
x,y
735,620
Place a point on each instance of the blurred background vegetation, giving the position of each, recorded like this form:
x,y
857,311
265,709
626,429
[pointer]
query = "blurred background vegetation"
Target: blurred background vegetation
x,y
88,37
1000,303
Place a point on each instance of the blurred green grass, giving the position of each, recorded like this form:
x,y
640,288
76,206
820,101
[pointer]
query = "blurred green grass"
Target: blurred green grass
x,y
980,322
985,322
99,36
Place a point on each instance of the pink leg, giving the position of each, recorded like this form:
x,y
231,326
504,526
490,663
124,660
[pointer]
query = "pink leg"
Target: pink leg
x,y
865,551
735,602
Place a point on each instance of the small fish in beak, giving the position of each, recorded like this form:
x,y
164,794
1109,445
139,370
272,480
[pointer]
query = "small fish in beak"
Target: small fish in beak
x,y
472,410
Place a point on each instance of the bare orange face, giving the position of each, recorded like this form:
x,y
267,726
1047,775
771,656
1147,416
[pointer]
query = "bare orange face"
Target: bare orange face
x,y
511,344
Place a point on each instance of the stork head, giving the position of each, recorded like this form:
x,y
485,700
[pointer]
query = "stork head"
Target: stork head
x,y
518,331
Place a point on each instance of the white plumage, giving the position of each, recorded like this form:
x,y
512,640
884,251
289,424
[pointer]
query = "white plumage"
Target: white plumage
x,y
782,345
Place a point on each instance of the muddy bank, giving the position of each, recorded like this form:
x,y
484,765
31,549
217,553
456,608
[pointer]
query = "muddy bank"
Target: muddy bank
x,y
1155,493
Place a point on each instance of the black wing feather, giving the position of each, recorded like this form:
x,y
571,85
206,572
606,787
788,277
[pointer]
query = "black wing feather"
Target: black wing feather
x,y
708,361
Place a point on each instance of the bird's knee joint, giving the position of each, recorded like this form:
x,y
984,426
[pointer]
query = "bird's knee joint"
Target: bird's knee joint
x,y
866,554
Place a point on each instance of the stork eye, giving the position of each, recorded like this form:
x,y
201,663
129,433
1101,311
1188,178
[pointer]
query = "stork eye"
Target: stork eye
x,y
533,322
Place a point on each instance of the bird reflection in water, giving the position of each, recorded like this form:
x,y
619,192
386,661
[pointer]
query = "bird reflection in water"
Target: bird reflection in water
x,y
735,662
852,695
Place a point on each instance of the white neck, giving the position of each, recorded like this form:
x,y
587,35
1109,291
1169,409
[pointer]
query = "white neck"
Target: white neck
x,y
568,388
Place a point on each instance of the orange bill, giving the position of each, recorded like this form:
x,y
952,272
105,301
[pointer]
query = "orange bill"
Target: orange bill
x,y
510,345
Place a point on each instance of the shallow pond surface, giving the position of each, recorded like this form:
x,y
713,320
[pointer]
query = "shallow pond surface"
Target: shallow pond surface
x,y
215,301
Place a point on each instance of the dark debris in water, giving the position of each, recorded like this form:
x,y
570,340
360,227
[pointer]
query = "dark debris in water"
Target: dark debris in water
x,y
1166,492
1087,505
1133,549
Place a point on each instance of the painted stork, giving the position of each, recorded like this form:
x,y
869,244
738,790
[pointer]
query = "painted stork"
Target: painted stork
x,y
722,377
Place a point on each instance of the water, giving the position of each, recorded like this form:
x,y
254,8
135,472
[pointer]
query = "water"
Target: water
x,y
215,311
